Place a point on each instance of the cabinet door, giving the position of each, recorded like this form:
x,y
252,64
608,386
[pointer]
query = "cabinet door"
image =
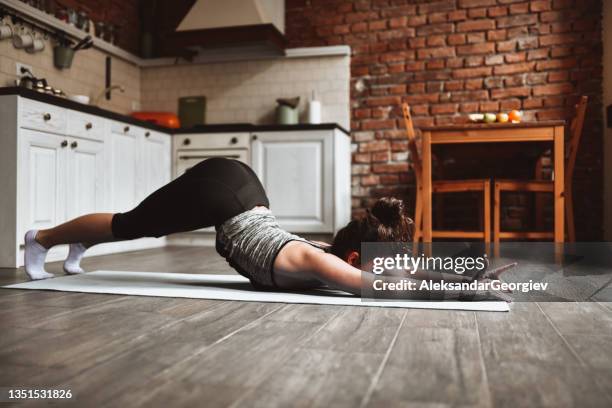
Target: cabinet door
x,y
296,170
156,168
85,191
125,160
42,179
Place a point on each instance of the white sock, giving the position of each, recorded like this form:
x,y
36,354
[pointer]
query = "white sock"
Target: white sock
x,y
35,255
72,265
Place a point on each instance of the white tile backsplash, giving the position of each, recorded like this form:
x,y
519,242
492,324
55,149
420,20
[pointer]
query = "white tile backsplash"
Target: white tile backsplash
x,y
246,91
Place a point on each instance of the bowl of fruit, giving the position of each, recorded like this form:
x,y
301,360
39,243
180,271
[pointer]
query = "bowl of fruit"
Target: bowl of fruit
x,y
513,116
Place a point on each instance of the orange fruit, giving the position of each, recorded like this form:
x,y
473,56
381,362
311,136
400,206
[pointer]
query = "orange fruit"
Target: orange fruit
x,y
502,117
514,116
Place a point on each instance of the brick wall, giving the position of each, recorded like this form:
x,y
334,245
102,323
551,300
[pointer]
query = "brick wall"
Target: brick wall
x,y
453,57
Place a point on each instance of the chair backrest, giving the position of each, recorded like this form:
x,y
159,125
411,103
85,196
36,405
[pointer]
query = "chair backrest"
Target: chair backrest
x,y
412,146
575,134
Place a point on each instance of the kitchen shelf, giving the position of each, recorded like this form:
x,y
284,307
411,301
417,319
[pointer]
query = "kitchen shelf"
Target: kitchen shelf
x,y
53,23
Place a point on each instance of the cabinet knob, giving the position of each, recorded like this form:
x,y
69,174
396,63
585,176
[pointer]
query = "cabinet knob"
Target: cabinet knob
x,y
254,137
126,129
47,117
88,126
187,142
64,143
147,134
74,145
234,140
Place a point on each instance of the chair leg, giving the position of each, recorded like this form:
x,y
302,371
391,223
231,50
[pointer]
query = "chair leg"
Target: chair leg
x,y
496,213
539,199
569,215
487,211
418,216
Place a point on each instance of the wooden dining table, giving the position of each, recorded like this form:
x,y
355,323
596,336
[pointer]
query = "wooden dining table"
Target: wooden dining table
x,y
525,132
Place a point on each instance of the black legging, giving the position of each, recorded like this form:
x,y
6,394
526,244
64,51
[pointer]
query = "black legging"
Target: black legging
x,y
208,194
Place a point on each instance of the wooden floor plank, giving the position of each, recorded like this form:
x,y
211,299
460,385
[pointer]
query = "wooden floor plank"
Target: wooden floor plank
x,y
579,318
433,366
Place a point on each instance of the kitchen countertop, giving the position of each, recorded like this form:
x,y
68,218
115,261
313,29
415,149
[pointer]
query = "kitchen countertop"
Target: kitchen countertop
x,y
212,128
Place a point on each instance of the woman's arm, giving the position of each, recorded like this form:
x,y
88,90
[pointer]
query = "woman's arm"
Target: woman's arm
x,y
298,259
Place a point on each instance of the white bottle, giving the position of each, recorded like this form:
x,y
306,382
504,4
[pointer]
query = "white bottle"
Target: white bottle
x,y
314,110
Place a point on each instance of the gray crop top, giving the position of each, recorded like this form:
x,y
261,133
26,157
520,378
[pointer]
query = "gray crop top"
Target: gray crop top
x,y
250,242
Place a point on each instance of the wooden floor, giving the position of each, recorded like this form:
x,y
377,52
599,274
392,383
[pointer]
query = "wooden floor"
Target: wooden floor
x,y
126,351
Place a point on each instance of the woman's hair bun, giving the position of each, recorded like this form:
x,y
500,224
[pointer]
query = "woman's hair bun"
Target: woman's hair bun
x,y
389,211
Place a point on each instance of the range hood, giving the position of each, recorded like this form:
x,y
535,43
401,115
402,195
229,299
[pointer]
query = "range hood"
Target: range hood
x,y
232,28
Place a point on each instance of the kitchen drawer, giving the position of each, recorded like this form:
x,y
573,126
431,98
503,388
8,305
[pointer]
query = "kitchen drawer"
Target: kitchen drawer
x,y
211,141
41,116
126,129
86,126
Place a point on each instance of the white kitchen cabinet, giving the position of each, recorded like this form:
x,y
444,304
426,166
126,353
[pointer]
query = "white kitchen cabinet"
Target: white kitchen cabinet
x,y
155,164
42,179
306,175
125,156
85,190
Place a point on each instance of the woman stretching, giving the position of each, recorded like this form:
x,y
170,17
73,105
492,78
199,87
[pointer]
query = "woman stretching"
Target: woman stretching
x,y
228,195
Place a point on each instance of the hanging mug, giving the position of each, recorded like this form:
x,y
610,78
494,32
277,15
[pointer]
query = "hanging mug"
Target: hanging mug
x,y
6,31
38,45
23,40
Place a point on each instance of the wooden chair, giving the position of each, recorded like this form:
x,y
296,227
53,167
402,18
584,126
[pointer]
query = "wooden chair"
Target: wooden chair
x,y
444,186
544,186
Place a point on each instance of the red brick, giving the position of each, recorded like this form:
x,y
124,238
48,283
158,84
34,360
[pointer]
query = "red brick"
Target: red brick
x,y
456,39
475,49
556,89
437,18
389,179
422,98
398,22
362,158
359,27
470,96
475,13
415,66
379,157
489,106
476,25
514,68
555,39
369,180
373,146
516,80
436,40
377,25
518,57
510,92
457,15
469,107
390,168
475,38
435,29
498,11
473,84
509,104
472,72
418,87
519,8
494,82
444,108
476,3
531,103
540,5
506,46
497,35
441,52
517,20
556,64
377,124
541,53
453,85
558,76
361,113
435,64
